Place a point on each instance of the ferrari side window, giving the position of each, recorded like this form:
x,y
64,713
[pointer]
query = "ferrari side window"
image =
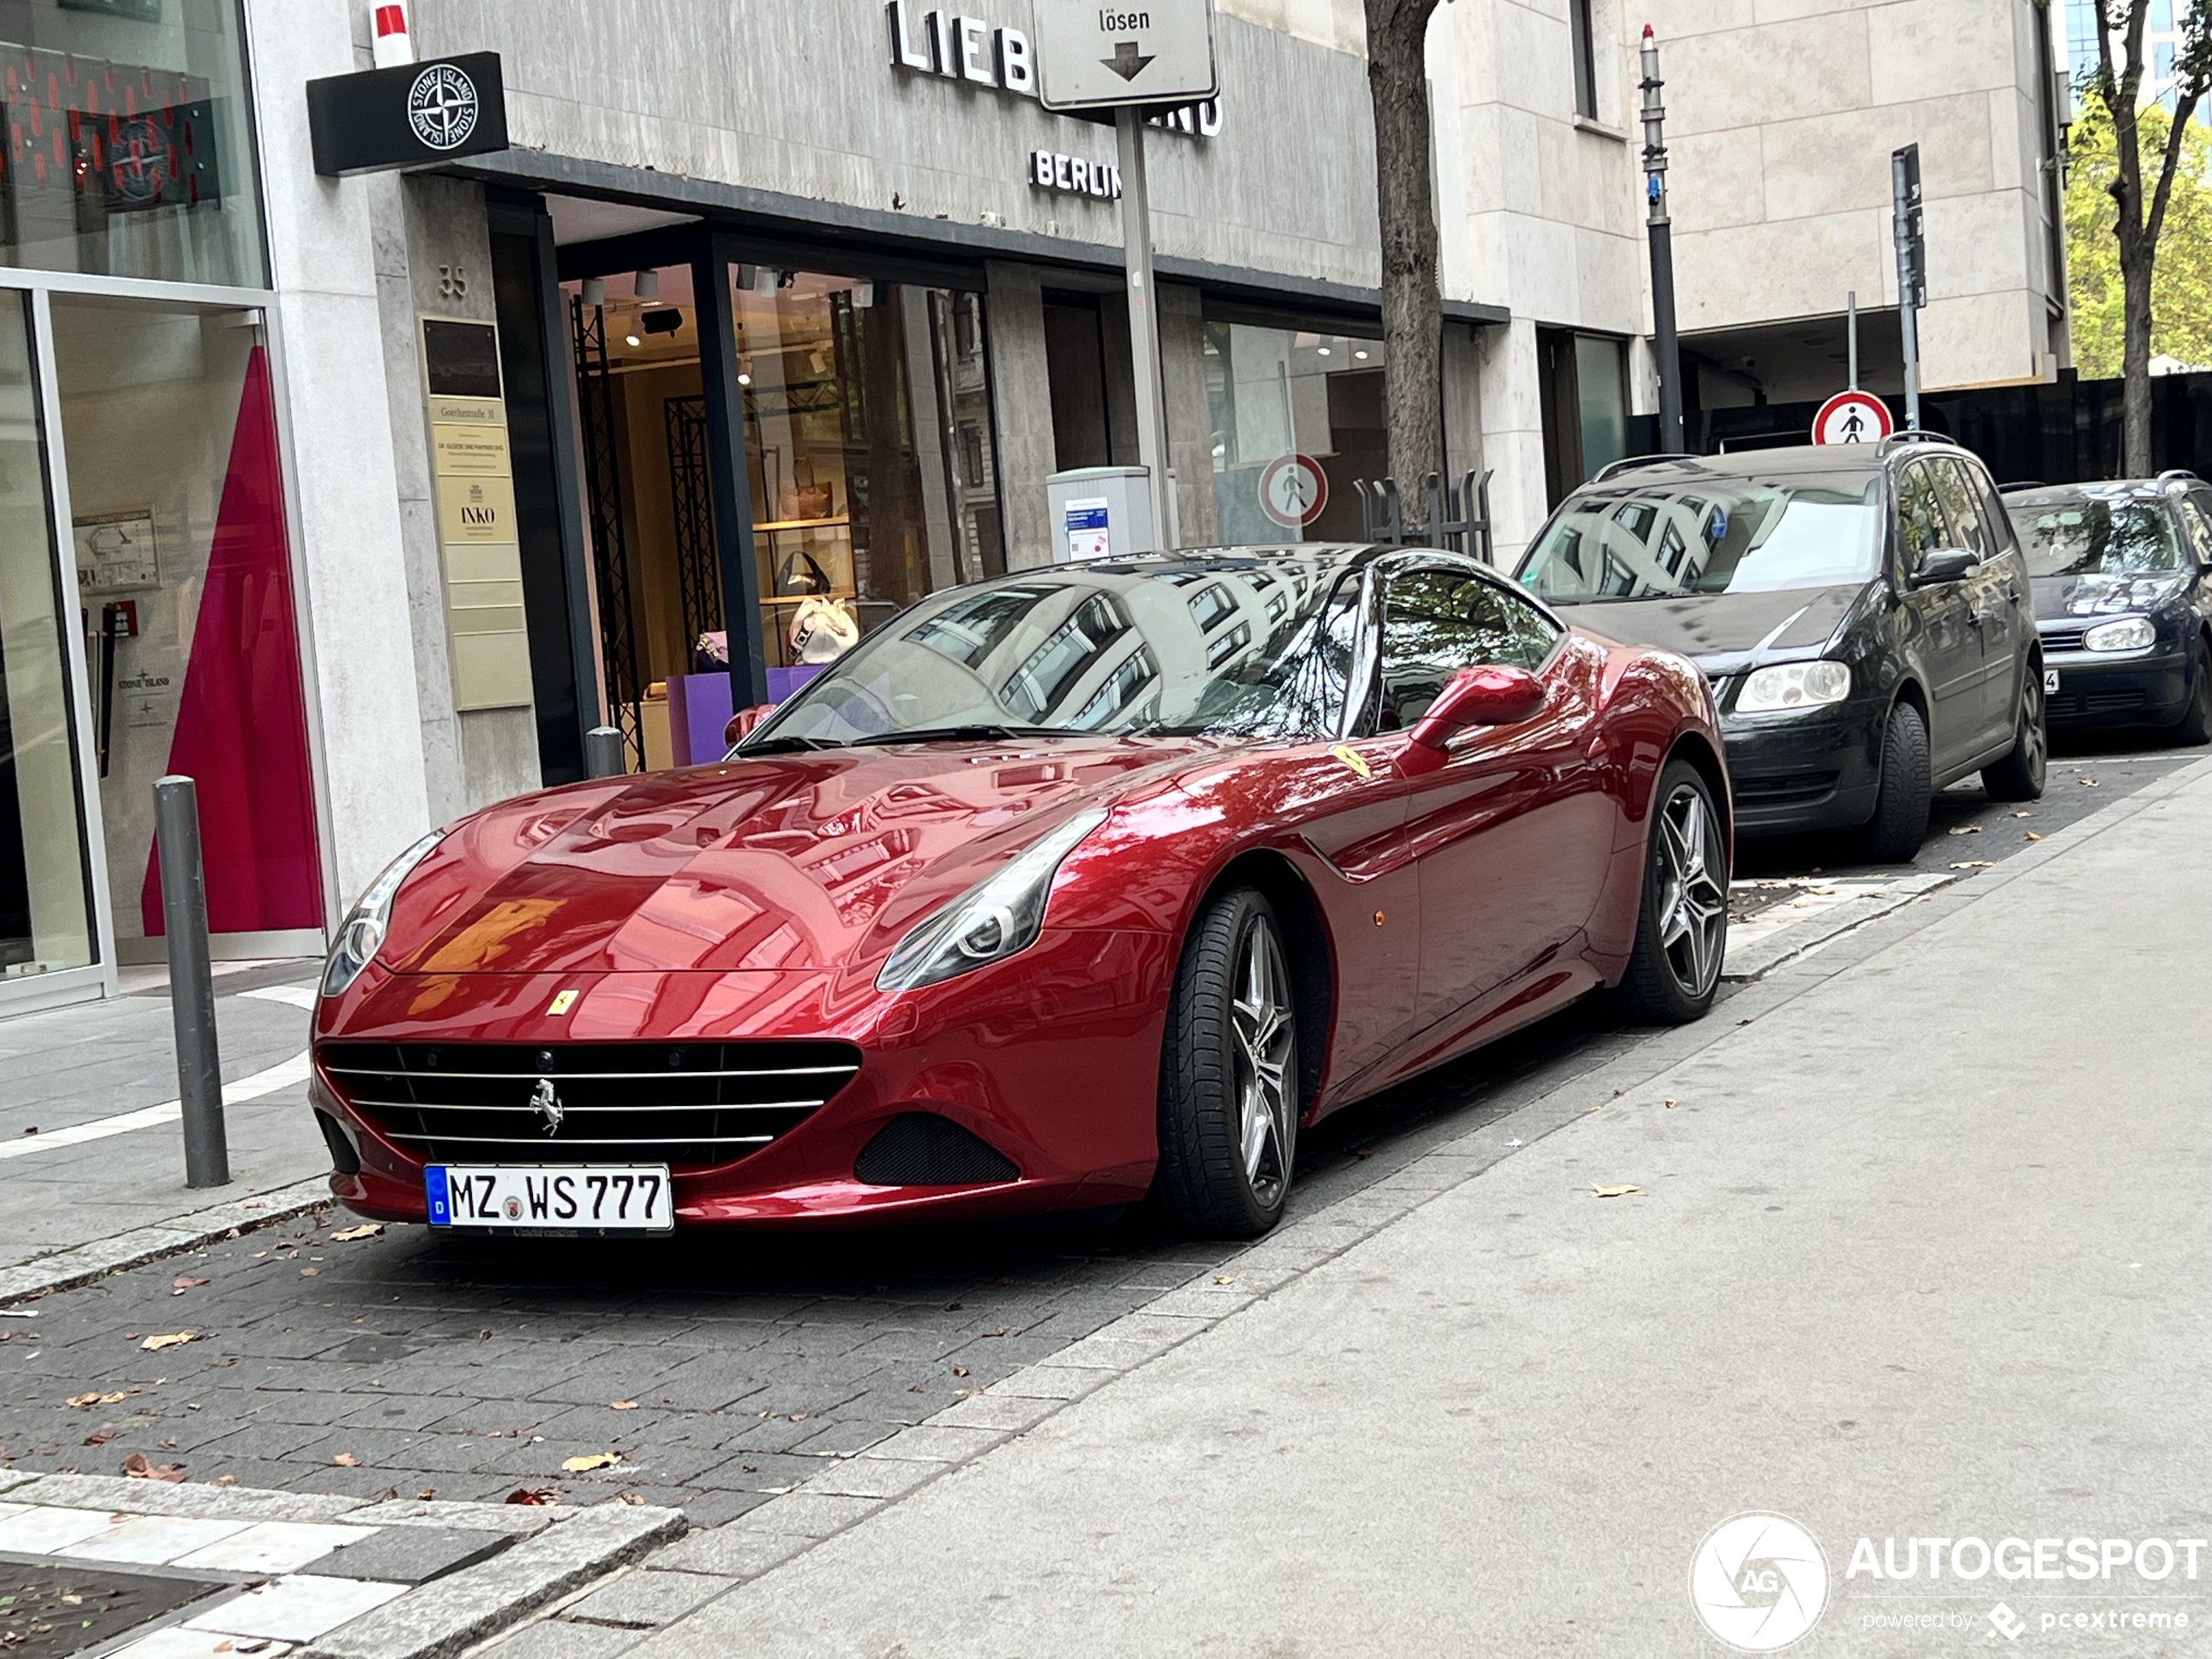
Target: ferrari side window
x,y
1438,621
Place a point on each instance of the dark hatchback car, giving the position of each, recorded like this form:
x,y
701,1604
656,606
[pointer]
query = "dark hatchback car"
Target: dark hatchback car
x,y
2123,600
1863,611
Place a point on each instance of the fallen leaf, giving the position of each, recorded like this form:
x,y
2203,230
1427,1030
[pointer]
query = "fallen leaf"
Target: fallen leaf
x,y
33,1129
103,1434
525,1495
622,1405
309,1272
1672,1104
1615,1192
629,1497
1223,1278
2087,783
169,1446
347,1461
426,1495
2023,814
1966,829
592,1461
174,1340
347,1235
1974,864
2031,835
86,1402
179,1285
138,1468
390,1493
225,1479
959,1371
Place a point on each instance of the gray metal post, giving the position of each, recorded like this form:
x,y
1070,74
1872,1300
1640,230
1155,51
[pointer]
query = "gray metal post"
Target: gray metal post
x,y
1911,275
191,982
603,754
1661,229
1850,302
1143,318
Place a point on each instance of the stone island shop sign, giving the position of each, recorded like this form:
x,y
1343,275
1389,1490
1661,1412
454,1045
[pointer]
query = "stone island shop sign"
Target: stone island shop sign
x,y
407,116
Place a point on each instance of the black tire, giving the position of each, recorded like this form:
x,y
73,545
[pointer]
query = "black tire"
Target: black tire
x,y
2196,728
1220,1175
2019,775
1900,821
1681,930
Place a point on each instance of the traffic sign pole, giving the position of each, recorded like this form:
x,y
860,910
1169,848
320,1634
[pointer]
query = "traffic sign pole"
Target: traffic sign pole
x,y
1912,269
1145,322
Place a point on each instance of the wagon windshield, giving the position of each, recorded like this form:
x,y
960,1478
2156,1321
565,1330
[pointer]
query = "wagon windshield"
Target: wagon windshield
x,y
1749,536
1233,647
2088,536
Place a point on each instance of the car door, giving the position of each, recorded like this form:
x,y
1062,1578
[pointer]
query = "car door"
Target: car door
x,y
1512,835
1937,623
2197,519
1996,605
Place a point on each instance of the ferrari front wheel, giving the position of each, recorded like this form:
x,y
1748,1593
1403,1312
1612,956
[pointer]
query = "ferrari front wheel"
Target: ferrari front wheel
x,y
1229,1074
1681,934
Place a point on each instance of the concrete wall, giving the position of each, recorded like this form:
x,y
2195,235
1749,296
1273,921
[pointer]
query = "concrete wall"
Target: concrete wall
x,y
1782,119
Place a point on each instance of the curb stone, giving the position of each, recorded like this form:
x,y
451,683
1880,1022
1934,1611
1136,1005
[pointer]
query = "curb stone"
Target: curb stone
x,y
82,1264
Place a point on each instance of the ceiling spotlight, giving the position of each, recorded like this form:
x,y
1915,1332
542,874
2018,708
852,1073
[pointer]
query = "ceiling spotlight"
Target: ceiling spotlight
x,y
648,285
595,291
744,380
1361,356
633,340
1320,351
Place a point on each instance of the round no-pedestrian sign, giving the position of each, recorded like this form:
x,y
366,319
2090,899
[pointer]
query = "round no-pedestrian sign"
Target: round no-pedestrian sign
x,y
1852,417
1292,491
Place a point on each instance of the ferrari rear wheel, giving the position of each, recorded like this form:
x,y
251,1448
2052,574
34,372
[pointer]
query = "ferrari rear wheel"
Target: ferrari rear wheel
x,y
1682,931
1229,1074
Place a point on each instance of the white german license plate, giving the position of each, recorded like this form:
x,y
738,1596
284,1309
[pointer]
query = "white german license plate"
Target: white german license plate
x,y
625,1198
2050,679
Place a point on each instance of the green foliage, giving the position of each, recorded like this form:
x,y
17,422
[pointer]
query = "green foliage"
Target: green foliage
x,y
2181,281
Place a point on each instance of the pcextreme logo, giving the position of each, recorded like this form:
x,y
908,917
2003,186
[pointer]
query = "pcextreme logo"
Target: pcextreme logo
x,y
1758,1582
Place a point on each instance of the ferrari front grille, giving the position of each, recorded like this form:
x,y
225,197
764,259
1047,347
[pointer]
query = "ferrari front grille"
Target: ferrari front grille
x,y
691,1106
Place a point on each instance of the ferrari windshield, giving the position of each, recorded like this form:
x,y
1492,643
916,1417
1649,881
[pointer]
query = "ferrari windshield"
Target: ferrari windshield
x,y
2089,536
1240,647
1714,536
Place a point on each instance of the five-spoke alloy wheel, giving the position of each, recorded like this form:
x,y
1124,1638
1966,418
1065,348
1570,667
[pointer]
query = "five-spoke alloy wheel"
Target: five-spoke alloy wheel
x,y
1682,935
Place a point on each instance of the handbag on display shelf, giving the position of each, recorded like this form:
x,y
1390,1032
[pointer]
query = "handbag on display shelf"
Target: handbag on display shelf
x,y
823,630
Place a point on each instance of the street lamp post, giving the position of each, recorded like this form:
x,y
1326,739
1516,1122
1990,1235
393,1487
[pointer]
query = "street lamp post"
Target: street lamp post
x,y
1664,345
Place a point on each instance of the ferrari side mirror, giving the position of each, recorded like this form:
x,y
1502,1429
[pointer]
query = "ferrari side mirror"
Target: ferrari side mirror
x,y
742,722
1496,695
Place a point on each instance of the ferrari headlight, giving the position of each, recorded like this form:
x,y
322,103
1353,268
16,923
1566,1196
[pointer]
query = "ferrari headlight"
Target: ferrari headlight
x,y
2134,634
998,916
1794,685
364,929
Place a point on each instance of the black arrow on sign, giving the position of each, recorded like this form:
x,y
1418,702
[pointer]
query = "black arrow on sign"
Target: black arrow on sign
x,y
1127,61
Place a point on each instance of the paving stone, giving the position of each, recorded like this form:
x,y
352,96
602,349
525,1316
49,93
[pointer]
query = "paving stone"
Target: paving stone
x,y
809,1515
270,1546
1014,1411
113,1493
520,1521
871,1477
553,1639
734,1551
294,1610
647,1598
409,1555
466,1606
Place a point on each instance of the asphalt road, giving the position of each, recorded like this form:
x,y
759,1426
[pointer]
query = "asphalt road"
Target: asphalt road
x,y
721,1369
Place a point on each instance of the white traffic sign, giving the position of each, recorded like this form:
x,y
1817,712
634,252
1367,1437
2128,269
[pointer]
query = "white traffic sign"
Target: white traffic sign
x,y
1852,417
1096,57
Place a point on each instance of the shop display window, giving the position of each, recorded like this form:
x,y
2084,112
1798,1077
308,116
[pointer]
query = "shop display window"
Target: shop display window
x,y
128,148
184,592
45,893
1297,420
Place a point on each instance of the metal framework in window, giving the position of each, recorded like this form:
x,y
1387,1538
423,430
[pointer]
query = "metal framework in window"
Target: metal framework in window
x,y
603,490
699,570
1584,32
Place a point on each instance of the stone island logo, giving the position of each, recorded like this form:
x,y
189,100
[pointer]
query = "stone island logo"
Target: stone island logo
x,y
443,107
545,1100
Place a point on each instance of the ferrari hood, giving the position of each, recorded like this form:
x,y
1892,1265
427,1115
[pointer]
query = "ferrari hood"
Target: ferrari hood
x,y
1724,632
804,861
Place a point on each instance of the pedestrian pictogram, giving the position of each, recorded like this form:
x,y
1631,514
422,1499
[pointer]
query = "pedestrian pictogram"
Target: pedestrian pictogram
x,y
1852,417
1292,491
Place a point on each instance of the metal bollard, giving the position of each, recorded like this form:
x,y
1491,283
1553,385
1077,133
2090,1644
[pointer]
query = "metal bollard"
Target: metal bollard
x,y
191,982
603,755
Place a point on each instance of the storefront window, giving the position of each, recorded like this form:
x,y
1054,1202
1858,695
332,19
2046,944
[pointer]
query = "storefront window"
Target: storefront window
x,y
869,442
45,912
1297,419
184,577
128,148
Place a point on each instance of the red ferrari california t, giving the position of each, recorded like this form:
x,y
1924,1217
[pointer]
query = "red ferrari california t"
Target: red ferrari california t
x,y
1058,890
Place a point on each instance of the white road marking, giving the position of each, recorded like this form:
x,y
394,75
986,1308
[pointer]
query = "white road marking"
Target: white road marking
x,y
282,1076
296,997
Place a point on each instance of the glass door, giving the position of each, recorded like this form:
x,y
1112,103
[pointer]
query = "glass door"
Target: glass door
x,y
47,923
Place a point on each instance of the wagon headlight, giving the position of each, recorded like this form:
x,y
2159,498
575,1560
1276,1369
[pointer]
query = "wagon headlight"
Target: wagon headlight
x,y
1794,685
2134,634
363,928
998,916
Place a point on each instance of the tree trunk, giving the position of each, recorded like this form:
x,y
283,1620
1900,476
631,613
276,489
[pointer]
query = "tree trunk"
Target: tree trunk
x,y
2135,273
1413,306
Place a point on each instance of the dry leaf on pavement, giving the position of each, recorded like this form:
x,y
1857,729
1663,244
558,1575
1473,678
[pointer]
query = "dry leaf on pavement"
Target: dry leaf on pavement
x,y
179,1285
2031,835
592,1461
347,1461
138,1468
309,1272
1615,1192
622,1405
525,1495
174,1340
1966,829
86,1402
366,1230
1974,864
632,1498
426,1495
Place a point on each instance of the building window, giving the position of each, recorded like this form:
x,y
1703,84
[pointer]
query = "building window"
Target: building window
x,y
1297,420
1583,381
128,151
1584,30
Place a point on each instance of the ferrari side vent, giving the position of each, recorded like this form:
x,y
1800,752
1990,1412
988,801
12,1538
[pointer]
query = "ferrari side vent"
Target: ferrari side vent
x,y
922,1149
